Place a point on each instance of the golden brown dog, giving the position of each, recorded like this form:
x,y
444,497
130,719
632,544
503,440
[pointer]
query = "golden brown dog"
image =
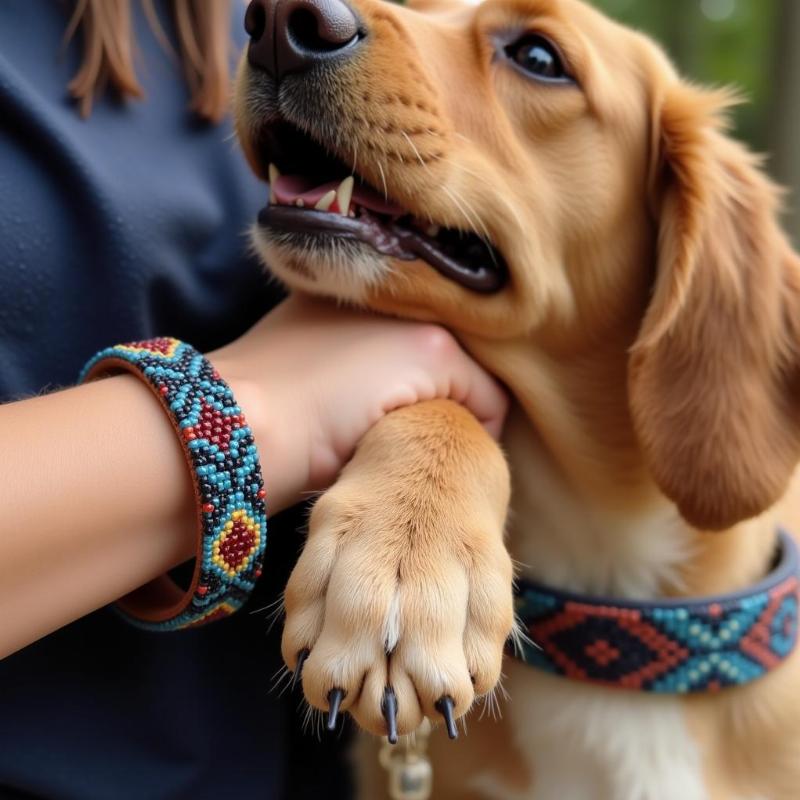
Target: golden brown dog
x,y
620,268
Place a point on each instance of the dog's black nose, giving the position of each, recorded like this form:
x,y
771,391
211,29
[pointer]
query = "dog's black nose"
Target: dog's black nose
x,y
292,35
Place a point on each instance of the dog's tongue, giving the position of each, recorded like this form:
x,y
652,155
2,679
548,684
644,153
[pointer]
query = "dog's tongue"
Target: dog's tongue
x,y
288,189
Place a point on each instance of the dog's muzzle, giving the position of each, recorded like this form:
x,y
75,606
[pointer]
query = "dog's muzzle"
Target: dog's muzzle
x,y
295,81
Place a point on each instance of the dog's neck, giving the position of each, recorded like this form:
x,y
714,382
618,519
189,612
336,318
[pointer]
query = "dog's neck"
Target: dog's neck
x,y
586,515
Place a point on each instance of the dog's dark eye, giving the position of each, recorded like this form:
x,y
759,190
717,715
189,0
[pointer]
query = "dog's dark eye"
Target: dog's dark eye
x,y
538,57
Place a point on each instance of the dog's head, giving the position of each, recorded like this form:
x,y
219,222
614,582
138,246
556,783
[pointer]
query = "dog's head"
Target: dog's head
x,y
494,149
528,168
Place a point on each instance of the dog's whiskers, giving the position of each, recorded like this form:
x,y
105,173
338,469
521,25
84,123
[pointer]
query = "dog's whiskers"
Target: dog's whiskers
x,y
414,148
476,224
461,168
355,154
383,179
507,204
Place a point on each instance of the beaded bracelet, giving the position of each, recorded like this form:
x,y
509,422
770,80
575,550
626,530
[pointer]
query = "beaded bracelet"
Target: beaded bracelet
x,y
219,448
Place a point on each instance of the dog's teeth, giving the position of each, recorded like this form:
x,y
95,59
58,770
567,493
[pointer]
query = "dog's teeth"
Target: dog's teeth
x,y
300,203
432,230
326,201
274,174
344,194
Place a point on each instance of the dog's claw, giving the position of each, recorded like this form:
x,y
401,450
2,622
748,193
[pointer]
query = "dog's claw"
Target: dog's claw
x,y
334,701
444,705
389,711
298,670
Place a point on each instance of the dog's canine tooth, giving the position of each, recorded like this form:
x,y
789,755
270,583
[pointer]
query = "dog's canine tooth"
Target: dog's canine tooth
x,y
326,201
344,194
300,203
274,174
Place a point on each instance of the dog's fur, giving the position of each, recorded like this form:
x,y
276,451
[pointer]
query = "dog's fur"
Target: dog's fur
x,y
649,336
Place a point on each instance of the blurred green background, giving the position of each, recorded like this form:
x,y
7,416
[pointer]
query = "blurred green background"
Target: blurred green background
x,y
752,44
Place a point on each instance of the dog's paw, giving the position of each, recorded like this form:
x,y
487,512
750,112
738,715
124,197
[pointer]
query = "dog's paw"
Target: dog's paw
x,y
401,602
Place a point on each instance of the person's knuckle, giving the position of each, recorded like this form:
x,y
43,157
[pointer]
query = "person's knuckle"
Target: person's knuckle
x,y
436,342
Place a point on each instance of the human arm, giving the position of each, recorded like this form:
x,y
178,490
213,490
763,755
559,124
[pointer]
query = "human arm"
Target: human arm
x,y
97,498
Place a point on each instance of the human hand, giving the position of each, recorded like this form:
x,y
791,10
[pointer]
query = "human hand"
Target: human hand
x,y
312,379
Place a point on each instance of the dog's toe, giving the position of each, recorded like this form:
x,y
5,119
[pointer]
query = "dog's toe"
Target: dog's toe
x,y
490,620
388,703
430,653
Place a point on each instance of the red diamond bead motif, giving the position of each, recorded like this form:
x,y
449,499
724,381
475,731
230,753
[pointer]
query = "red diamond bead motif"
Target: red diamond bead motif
x,y
237,545
216,427
239,539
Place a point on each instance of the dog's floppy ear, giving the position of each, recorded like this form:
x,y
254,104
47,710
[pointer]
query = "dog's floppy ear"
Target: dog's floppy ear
x,y
714,375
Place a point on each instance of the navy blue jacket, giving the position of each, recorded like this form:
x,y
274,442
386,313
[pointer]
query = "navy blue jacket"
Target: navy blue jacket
x,y
129,225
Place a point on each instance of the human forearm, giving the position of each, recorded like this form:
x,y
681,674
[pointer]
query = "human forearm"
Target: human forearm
x,y
97,500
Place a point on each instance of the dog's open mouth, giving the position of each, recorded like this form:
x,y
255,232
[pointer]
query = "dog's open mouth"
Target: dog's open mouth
x,y
313,194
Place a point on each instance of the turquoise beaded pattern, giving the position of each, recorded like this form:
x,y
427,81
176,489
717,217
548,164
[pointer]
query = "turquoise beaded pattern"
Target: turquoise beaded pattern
x,y
220,448
668,647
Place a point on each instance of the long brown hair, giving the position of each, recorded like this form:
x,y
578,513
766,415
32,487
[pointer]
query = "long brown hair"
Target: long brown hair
x,y
203,30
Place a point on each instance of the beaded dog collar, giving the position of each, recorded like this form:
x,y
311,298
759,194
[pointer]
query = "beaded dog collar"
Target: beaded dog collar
x,y
670,646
